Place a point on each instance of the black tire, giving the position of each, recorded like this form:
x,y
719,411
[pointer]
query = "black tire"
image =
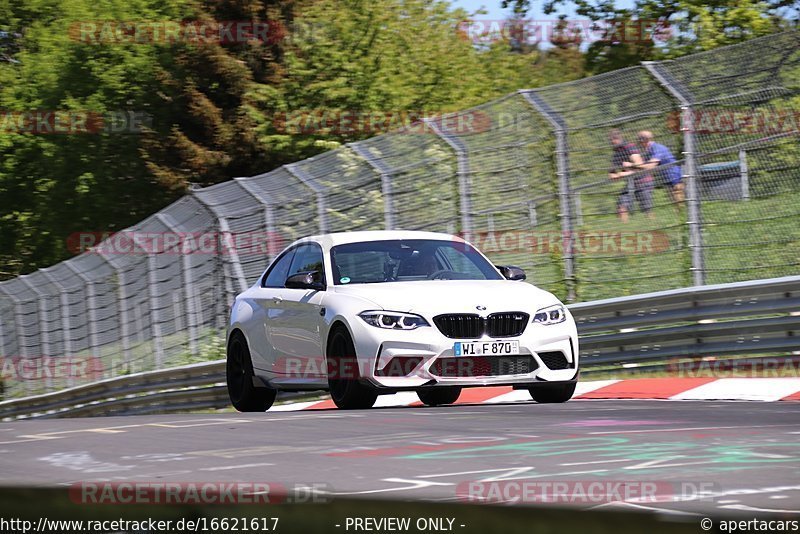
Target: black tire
x,y
553,393
439,396
347,392
244,396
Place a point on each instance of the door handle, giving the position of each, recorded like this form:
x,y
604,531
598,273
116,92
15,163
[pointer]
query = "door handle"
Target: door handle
x,y
277,300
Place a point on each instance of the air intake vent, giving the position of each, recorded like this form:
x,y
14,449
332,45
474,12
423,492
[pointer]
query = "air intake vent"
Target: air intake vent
x,y
472,366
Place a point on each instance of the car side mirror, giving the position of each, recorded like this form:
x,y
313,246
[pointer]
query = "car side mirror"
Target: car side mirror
x,y
511,272
304,281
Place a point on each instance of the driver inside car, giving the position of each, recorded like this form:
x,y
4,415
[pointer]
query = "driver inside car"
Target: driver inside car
x,y
420,263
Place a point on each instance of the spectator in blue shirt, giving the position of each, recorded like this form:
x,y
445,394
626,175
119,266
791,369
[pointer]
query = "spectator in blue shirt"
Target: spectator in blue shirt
x,y
625,160
658,157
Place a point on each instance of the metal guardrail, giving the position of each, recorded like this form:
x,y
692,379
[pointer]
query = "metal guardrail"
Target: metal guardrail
x,y
756,317
195,386
760,316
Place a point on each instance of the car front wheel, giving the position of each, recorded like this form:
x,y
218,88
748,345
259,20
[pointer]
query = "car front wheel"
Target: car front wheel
x,y
239,374
347,392
439,396
552,393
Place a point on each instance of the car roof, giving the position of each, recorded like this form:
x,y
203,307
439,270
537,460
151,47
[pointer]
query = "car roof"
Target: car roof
x,y
340,238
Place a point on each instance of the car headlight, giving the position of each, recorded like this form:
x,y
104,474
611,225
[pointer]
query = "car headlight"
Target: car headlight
x,y
393,320
551,315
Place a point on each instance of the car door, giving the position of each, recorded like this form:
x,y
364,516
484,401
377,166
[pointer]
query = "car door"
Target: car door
x,y
266,303
295,323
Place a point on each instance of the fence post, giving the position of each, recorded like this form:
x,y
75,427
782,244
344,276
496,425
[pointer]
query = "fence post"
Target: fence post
x,y
319,192
91,308
694,216
44,333
464,187
65,326
122,306
269,215
745,174
155,314
386,183
21,347
564,189
188,285
532,213
124,318
17,318
2,335
225,231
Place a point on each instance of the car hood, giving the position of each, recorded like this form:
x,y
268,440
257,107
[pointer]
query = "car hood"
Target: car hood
x,y
432,297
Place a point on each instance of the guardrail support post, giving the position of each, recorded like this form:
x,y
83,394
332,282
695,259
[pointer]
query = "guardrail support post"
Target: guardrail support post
x,y
564,190
386,183
694,218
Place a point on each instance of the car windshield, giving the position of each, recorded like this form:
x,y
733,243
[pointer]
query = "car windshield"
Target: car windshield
x,y
404,260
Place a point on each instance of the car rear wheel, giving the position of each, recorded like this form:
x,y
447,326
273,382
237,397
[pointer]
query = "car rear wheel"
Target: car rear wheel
x,y
552,393
439,396
244,396
347,392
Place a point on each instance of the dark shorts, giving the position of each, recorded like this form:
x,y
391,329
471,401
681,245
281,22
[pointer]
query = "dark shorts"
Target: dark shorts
x,y
642,193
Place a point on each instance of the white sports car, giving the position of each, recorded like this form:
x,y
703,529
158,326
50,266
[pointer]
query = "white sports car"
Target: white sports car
x,y
367,313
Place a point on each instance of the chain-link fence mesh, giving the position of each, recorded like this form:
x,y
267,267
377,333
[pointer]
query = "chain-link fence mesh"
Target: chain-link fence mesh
x,y
527,178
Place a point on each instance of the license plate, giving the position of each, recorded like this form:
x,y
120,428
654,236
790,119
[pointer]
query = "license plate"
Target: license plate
x,y
486,348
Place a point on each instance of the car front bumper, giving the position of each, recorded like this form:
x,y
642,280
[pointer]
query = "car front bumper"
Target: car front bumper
x,y
380,350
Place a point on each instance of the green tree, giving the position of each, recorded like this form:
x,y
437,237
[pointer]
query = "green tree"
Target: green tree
x,y
687,26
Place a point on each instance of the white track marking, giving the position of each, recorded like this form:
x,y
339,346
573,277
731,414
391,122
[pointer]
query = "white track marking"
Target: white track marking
x,y
642,507
411,485
514,396
753,389
587,387
229,467
294,406
746,508
402,398
596,462
649,430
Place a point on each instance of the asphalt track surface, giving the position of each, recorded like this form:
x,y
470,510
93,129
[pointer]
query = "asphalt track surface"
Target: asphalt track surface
x,y
704,457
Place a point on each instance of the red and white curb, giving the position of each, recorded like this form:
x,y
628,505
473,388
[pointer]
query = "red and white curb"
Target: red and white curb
x,y
737,389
